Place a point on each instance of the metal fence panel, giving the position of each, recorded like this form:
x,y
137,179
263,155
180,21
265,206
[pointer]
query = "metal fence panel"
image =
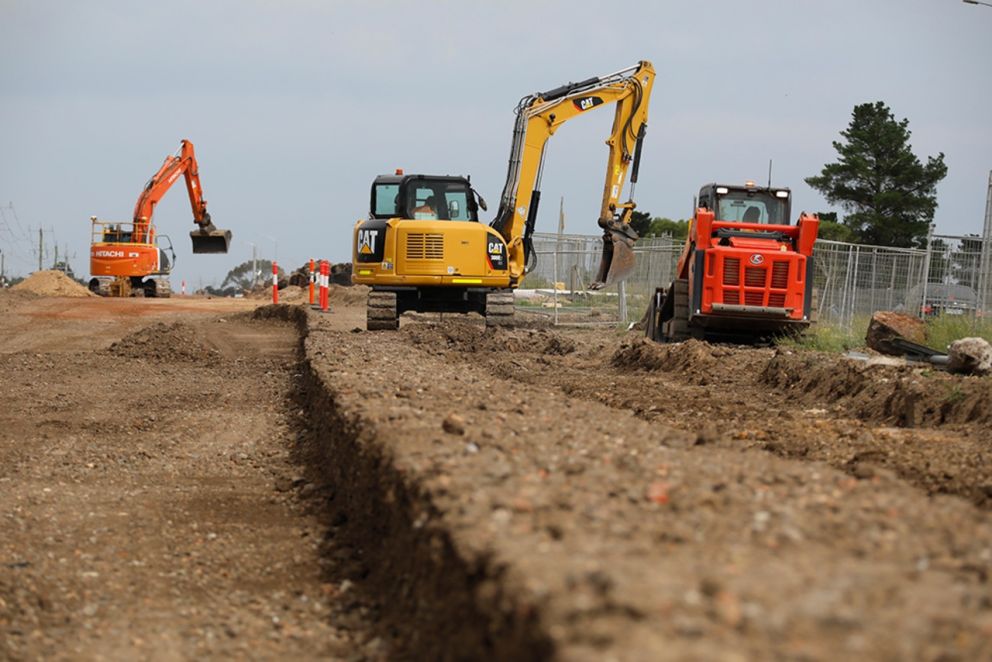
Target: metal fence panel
x,y
850,281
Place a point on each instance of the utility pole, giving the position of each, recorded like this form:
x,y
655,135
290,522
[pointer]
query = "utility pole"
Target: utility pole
x,y
56,263
41,246
254,265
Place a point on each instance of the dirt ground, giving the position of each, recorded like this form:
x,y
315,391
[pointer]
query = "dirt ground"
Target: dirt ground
x,y
451,492
150,505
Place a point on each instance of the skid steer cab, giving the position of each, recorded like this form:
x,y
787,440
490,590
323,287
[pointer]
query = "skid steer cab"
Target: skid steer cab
x,y
745,273
422,248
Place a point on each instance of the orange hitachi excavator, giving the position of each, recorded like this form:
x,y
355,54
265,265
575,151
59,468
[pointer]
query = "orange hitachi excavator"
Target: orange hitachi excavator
x,y
123,255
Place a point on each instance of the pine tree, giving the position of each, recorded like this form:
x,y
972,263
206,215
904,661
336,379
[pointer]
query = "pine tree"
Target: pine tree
x,y
890,196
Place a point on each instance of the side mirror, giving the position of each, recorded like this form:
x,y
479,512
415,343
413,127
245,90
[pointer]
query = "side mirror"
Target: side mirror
x,y
453,209
479,201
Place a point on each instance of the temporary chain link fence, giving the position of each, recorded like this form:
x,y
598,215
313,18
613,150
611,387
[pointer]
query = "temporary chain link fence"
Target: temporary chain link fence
x,y
851,281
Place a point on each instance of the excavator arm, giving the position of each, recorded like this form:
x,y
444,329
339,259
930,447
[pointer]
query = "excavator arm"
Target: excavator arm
x,y
207,238
538,117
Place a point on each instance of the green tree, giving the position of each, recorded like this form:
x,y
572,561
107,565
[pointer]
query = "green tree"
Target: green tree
x,y
831,228
640,222
241,276
666,226
889,193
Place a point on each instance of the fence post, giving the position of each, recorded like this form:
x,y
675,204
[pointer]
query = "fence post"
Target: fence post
x,y
985,262
622,296
926,270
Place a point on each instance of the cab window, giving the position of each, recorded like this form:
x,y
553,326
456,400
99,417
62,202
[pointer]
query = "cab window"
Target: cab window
x,y
423,203
385,203
441,200
456,204
742,207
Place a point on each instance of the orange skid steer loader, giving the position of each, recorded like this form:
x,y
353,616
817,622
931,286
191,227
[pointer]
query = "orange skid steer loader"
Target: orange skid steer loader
x,y
745,273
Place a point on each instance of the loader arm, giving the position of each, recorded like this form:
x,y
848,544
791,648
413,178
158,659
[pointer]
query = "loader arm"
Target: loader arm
x,y
538,117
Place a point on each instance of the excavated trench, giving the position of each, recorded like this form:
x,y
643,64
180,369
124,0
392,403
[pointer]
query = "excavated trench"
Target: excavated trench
x,y
483,506
384,539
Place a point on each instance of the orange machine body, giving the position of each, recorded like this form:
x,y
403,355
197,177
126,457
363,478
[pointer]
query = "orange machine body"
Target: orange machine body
x,y
752,267
114,251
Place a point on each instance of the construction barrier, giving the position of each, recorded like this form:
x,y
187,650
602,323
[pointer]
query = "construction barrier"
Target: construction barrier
x,y
325,281
275,283
312,278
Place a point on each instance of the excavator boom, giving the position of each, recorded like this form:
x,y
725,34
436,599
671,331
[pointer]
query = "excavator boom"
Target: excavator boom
x,y
206,238
538,117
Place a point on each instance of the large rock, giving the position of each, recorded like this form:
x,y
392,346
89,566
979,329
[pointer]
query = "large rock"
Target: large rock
x,y
886,326
970,356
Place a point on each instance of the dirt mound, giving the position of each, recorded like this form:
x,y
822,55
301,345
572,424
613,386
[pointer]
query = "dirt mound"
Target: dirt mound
x,y
906,396
463,336
692,357
52,284
164,342
293,294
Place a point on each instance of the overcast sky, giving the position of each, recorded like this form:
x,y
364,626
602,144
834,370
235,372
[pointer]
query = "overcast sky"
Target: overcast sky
x,y
295,105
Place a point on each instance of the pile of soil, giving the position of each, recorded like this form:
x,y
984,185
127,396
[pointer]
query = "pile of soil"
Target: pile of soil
x,y
52,284
904,395
293,294
287,293
174,342
642,354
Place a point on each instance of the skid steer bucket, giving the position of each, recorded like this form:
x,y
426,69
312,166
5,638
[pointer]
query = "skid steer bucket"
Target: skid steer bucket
x,y
618,257
210,241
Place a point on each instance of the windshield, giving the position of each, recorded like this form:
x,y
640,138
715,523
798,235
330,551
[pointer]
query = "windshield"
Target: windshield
x,y
439,200
752,207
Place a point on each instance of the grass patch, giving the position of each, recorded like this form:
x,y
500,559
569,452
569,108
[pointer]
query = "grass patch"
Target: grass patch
x,y
945,329
941,331
830,337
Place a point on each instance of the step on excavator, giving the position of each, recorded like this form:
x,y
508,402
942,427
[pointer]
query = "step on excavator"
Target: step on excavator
x,y
132,259
745,273
422,247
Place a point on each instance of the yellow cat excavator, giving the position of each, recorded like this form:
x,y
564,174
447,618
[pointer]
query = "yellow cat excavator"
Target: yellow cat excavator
x,y
423,249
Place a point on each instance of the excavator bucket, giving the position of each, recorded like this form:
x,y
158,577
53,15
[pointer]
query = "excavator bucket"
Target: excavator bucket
x,y
210,241
618,257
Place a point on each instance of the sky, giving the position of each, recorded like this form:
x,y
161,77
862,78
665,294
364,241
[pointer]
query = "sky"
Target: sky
x,y
294,106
